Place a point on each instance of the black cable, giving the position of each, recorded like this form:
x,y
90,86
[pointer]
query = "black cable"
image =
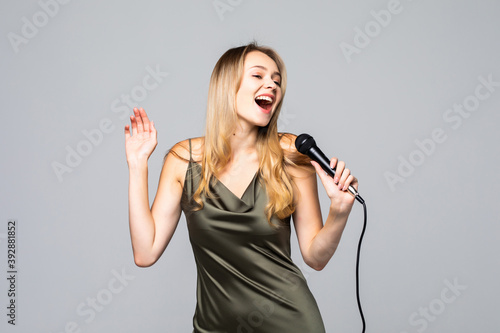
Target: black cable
x,y
357,268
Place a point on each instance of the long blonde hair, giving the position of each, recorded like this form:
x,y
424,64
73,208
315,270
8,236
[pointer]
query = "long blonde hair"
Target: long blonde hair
x,y
221,122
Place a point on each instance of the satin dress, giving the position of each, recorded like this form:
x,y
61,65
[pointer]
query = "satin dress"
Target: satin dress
x,y
246,279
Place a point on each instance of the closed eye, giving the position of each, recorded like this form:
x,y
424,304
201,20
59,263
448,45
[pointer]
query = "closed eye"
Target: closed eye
x,y
278,83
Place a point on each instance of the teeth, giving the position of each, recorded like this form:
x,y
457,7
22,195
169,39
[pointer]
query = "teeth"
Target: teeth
x,y
265,98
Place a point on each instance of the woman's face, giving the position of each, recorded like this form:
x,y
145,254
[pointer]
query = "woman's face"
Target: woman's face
x,y
260,90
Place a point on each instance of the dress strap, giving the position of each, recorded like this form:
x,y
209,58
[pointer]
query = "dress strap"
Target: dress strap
x,y
190,155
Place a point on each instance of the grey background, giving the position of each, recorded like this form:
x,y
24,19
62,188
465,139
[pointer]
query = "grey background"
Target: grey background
x,y
440,224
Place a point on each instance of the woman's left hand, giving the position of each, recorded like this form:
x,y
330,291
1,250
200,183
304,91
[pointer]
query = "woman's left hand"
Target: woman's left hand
x,y
336,188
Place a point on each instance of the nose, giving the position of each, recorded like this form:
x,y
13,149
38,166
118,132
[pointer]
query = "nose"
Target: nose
x,y
271,84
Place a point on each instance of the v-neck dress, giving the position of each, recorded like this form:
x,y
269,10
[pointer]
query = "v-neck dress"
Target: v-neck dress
x,y
246,279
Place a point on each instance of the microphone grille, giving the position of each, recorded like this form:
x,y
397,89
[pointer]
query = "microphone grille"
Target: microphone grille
x,y
304,142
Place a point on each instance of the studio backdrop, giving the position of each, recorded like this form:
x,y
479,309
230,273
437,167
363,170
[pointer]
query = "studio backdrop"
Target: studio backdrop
x,y
406,92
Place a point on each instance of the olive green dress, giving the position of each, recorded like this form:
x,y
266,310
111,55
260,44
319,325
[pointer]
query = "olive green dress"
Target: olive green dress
x,y
246,279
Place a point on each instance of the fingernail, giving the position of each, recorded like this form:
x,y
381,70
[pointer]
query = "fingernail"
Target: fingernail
x,y
345,187
336,180
340,186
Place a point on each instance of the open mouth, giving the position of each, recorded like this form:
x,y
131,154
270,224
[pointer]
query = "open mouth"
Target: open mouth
x,y
265,103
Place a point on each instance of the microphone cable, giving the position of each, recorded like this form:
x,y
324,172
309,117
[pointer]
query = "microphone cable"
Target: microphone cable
x,y
357,268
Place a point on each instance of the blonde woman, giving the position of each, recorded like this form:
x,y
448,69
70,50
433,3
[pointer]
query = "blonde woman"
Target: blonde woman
x,y
239,186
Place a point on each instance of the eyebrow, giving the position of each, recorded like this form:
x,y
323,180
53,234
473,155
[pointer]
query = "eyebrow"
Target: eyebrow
x,y
264,68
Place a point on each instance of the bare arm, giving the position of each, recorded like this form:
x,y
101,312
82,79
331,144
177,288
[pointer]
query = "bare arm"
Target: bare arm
x,y
318,242
150,229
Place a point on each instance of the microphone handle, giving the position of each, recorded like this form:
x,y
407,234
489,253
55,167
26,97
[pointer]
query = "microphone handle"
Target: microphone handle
x,y
317,155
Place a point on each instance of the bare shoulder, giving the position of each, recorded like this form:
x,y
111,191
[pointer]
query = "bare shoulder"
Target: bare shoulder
x,y
177,158
181,150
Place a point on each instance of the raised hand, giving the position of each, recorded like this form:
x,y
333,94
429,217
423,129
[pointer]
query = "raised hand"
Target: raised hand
x,y
336,188
142,142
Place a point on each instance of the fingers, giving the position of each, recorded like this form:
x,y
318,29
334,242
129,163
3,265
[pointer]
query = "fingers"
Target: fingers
x,y
352,181
340,165
346,179
333,162
145,120
127,132
343,182
343,177
321,173
140,123
133,123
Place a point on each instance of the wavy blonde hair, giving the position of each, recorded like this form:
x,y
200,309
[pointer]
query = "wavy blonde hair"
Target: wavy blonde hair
x,y
221,123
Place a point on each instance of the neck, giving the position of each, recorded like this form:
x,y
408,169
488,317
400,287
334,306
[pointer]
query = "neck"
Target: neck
x,y
243,141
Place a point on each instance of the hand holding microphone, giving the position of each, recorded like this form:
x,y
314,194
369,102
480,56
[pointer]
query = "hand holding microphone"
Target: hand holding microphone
x,y
305,144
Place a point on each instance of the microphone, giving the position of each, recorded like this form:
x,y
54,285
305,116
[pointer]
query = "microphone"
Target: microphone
x,y
306,145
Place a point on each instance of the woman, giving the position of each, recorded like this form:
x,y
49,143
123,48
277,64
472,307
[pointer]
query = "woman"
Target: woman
x,y
238,186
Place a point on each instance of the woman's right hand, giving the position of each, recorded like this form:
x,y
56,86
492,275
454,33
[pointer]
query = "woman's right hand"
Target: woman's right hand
x,y
142,142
